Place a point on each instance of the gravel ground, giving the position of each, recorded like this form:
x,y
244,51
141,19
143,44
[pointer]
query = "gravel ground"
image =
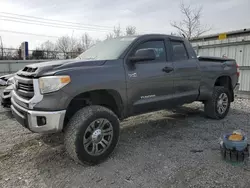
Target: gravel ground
x,y
155,150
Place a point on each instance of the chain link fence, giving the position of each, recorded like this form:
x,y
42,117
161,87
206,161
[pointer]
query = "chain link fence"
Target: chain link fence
x,y
15,54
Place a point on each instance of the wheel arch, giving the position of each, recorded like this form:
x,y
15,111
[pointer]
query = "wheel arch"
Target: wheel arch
x,y
104,97
225,81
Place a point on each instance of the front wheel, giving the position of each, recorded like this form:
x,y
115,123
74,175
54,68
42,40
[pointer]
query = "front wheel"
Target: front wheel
x,y
92,134
218,106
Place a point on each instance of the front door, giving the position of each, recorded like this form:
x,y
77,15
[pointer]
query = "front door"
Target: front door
x,y
150,83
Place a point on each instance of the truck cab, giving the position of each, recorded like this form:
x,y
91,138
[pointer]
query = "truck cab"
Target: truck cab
x,y
172,78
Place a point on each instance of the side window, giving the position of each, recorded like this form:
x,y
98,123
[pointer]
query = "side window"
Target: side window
x,y
179,51
158,46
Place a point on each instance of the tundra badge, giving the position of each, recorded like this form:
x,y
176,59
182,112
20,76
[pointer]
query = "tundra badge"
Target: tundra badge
x,y
132,75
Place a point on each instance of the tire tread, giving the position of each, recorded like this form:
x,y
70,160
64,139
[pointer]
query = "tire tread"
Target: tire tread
x,y
210,105
73,127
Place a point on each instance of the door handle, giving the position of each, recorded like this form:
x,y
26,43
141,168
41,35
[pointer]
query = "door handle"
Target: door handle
x,y
167,69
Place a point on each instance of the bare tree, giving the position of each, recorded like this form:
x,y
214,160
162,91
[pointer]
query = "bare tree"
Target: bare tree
x,y
63,44
117,31
130,30
73,44
7,53
50,49
86,42
68,45
48,46
191,25
110,36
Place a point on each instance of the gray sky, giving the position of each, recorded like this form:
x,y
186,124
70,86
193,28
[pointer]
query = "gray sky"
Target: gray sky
x,y
149,16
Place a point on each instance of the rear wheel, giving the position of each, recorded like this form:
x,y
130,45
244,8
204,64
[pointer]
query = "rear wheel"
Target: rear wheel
x,y
92,134
219,104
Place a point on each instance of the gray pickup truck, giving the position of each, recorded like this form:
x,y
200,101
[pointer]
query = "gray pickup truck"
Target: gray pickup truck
x,y
86,97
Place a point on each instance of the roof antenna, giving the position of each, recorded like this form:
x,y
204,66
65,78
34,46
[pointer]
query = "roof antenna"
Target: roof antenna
x,y
183,35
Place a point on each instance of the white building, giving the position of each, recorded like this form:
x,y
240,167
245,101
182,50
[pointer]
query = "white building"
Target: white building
x,y
233,44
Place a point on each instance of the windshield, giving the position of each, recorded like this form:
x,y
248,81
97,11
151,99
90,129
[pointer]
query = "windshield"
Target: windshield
x,y
108,49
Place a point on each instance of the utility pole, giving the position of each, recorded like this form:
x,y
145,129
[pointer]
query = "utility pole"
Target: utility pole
x,y
1,46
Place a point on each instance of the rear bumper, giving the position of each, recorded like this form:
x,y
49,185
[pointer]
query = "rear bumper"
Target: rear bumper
x,y
31,119
235,91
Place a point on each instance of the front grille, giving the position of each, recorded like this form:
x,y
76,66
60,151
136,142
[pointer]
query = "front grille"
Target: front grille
x,y
25,88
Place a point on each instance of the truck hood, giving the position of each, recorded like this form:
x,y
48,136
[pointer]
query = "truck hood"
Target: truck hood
x,y
38,69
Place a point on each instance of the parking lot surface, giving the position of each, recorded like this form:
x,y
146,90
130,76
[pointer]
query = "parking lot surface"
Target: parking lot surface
x,y
178,148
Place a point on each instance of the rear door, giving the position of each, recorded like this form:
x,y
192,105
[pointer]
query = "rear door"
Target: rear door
x,y
187,75
149,86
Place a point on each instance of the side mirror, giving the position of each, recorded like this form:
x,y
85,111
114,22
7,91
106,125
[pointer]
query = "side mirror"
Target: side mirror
x,y
143,55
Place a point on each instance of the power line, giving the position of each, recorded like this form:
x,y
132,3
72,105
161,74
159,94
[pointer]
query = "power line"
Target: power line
x,y
77,24
57,20
54,24
24,33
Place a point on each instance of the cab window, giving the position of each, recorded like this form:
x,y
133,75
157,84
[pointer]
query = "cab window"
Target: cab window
x,y
158,47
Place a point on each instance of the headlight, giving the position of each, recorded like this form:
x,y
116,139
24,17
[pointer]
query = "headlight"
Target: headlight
x,y
50,84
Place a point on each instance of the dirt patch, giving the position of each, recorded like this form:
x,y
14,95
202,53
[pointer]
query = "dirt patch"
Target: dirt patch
x,y
176,148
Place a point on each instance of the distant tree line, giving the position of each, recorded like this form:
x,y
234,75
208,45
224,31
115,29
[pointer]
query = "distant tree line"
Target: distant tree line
x,y
64,47
71,47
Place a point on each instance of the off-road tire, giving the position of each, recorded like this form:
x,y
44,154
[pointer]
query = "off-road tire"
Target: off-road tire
x,y
210,106
75,130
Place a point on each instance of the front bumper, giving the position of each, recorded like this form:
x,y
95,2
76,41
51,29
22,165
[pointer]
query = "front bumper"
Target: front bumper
x,y
5,102
5,99
31,119
6,95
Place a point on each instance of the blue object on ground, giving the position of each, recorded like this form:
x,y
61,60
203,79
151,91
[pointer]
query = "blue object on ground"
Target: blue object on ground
x,y
237,145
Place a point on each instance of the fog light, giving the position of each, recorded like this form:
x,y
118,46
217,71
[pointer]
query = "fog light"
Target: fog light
x,y
41,120
6,92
